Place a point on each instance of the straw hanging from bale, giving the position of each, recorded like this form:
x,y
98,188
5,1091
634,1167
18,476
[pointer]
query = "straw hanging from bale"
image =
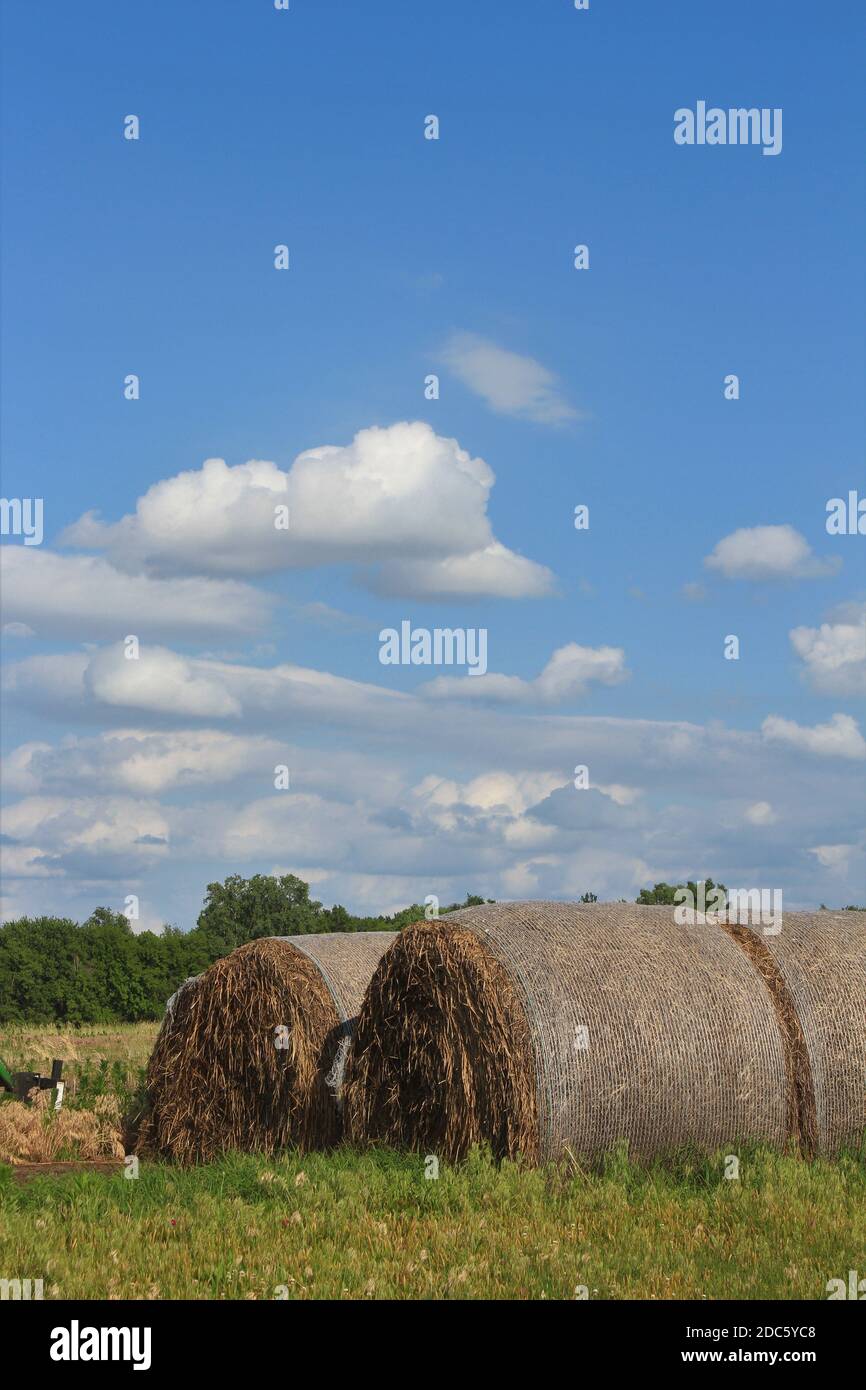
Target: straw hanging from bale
x,y
819,959
249,1054
544,1027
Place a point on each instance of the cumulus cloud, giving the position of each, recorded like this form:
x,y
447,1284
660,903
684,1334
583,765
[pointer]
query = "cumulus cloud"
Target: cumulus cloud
x,y
394,495
567,676
768,553
26,861
493,572
839,738
87,836
834,654
398,794
158,680
494,791
53,595
99,684
509,382
458,798
16,772
270,696
141,761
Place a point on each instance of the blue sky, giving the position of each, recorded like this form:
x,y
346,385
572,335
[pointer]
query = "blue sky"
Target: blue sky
x,y
411,256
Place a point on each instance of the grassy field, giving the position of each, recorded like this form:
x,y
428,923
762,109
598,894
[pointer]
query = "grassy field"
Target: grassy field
x,y
27,1048
99,1060
371,1225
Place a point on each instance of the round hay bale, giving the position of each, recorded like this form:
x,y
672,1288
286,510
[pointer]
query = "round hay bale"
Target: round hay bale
x,y
250,1053
820,957
542,1027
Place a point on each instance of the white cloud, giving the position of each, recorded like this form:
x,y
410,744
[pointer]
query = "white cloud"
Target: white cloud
x,y
394,497
85,595
141,761
444,799
509,382
160,681
16,774
768,552
80,834
403,794
26,861
490,791
95,684
494,571
49,683
147,921
833,856
567,676
618,793
835,653
839,738
17,630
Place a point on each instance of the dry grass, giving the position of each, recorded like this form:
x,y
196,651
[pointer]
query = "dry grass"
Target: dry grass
x,y
802,1115
442,1058
35,1133
216,1079
32,1047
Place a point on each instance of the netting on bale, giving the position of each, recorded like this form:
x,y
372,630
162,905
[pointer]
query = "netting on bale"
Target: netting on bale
x,y
820,958
248,1056
538,1027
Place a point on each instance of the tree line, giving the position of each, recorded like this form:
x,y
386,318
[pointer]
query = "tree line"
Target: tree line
x,y
53,969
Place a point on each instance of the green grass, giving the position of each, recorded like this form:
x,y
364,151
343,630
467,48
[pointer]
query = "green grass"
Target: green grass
x,y
350,1225
98,1059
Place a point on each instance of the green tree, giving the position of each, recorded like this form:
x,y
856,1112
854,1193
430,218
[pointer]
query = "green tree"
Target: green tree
x,y
665,892
242,909
100,971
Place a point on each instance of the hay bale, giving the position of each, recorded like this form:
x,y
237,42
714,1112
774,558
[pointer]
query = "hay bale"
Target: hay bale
x,y
820,957
221,1075
541,1027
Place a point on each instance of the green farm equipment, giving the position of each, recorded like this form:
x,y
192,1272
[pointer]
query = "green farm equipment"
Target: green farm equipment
x,y
21,1083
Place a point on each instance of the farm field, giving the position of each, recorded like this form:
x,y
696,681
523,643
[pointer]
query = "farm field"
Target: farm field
x,y
372,1225
28,1047
350,1225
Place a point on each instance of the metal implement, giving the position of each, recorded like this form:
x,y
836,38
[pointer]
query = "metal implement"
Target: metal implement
x,y
21,1083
